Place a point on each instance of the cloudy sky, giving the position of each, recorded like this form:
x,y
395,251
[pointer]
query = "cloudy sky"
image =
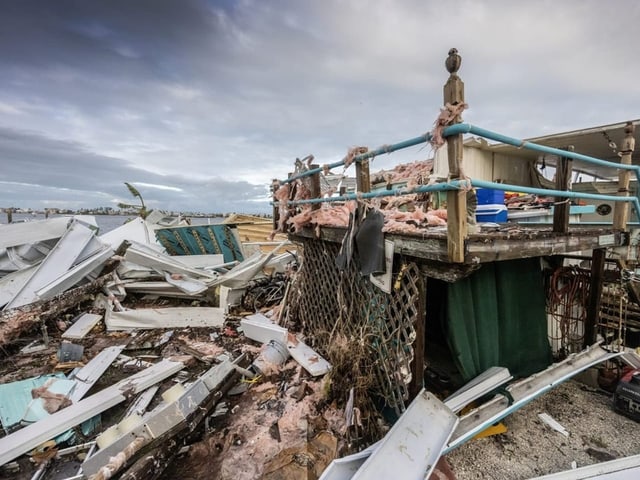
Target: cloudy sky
x,y
201,103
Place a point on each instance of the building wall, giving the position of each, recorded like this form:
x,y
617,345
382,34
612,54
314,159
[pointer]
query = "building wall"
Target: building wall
x,y
485,165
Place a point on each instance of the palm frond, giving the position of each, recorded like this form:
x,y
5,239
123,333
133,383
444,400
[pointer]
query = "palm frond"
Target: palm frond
x,y
134,191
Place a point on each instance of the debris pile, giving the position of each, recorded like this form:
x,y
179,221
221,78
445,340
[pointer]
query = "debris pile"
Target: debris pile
x,y
119,357
123,361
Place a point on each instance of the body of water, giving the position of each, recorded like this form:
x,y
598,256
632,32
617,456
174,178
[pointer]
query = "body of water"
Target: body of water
x,y
106,223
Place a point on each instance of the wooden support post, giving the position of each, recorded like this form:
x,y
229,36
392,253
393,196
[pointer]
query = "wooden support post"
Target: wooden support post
x,y
276,211
417,369
621,209
595,294
9,215
563,182
315,187
456,199
363,178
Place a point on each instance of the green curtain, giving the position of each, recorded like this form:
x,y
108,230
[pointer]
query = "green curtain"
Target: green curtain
x,y
496,317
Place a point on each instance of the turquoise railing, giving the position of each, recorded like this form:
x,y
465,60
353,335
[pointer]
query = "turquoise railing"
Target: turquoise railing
x,y
462,128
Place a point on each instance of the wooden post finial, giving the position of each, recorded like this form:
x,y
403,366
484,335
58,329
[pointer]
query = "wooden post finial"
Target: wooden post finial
x,y
456,199
453,61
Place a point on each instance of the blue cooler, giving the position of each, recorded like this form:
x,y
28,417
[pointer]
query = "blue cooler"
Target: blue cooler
x,y
495,213
489,196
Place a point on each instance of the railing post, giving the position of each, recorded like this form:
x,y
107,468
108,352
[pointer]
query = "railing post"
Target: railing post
x,y
315,187
563,182
456,199
621,209
276,211
363,178
595,295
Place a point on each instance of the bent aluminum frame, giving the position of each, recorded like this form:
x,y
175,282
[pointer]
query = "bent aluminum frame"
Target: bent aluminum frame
x,y
28,438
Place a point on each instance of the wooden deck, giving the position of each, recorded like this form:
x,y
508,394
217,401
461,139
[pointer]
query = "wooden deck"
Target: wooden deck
x,y
504,243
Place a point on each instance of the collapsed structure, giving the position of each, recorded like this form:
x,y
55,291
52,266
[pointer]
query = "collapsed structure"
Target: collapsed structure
x,y
399,322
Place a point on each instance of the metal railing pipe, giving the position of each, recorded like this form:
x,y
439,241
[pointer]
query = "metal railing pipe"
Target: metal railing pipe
x,y
363,156
516,142
458,184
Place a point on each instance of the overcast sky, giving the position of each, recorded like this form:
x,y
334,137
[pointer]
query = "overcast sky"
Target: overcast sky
x,y
201,103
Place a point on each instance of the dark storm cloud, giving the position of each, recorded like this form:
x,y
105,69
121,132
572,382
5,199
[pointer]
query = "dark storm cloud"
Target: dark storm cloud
x,y
176,92
36,168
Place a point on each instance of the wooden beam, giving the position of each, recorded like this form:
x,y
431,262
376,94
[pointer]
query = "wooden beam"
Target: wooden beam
x,y
456,225
621,210
315,187
363,177
562,206
508,249
595,295
417,366
456,200
447,272
15,322
276,213
482,248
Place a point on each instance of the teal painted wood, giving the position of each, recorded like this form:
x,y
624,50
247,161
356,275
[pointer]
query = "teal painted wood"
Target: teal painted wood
x,y
201,240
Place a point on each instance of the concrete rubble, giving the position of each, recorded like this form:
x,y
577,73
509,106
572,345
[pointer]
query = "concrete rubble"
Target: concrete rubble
x,y
122,361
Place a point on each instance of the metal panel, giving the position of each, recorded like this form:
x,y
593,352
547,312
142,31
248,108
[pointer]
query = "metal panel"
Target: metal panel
x,y
202,261
30,437
148,257
626,468
81,326
56,263
476,388
12,283
74,275
94,247
307,357
88,375
344,468
170,317
186,284
165,416
141,403
30,232
137,230
413,445
525,391
261,329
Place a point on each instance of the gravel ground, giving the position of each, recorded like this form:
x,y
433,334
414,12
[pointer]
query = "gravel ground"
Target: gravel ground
x,y
530,448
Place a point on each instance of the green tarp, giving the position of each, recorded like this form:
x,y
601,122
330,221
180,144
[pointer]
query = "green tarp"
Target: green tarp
x,y
496,317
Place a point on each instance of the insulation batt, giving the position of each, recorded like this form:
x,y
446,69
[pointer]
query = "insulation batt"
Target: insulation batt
x,y
396,221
